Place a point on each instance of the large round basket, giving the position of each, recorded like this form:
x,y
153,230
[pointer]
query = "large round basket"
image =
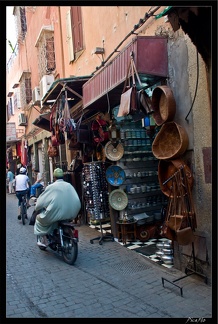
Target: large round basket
x,y
163,104
170,142
166,170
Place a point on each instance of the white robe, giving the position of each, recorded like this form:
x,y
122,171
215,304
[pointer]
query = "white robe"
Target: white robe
x,y
60,201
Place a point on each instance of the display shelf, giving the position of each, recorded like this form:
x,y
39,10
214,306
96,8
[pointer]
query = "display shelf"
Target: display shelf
x,y
141,169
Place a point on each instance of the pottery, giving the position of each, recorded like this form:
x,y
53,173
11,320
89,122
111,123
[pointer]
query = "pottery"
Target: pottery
x,y
159,245
159,254
167,251
167,245
167,259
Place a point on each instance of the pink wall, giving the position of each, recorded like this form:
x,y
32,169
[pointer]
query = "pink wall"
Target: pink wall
x,y
108,23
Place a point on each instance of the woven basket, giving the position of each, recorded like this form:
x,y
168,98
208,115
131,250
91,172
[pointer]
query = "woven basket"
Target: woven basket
x,y
166,169
170,142
163,104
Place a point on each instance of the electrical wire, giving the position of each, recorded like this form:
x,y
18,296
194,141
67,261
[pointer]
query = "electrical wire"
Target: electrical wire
x,y
137,26
196,87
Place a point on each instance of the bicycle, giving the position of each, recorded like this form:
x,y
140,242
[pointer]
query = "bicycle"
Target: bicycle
x,y
23,208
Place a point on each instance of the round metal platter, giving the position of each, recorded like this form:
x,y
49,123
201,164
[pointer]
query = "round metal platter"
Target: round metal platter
x,y
115,175
118,199
114,152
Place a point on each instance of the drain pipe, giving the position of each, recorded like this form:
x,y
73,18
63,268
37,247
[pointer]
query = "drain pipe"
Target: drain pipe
x,y
61,39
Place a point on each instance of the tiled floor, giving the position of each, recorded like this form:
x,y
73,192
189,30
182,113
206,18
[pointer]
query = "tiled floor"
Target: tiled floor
x,y
147,249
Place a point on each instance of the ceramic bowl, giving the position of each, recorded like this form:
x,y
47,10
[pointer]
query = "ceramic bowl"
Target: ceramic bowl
x,y
159,245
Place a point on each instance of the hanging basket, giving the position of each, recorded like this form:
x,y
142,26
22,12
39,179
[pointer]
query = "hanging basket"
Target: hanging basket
x,y
163,104
171,141
166,169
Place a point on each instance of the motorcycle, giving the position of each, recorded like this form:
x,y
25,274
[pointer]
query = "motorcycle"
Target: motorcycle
x,y
64,240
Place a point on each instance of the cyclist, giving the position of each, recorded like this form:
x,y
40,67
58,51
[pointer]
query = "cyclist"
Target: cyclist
x,y
22,186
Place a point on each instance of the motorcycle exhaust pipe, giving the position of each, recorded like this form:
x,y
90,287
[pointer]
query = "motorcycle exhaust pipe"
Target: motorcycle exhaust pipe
x,y
61,234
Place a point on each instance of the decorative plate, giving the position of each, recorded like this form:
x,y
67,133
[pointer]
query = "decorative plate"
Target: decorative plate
x,y
114,152
118,199
115,175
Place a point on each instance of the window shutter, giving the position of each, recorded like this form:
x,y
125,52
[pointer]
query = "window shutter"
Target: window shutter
x,y
28,90
50,54
69,37
23,21
10,108
76,19
17,104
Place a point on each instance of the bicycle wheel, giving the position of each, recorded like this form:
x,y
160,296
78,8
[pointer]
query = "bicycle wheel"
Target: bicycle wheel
x,y
23,212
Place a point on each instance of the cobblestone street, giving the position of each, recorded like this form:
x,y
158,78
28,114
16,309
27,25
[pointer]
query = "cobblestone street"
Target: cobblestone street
x,y
107,281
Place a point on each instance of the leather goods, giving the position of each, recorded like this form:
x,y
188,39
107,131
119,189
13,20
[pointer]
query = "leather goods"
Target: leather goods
x,y
129,97
59,135
125,101
167,232
167,169
177,222
74,144
184,236
99,129
145,103
83,132
80,135
53,151
54,140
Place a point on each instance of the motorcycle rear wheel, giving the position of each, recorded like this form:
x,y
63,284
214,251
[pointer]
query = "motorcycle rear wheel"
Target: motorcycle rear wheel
x,y
70,250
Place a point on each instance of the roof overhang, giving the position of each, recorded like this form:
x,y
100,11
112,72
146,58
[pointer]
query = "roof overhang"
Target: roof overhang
x,y
43,121
103,91
13,141
72,85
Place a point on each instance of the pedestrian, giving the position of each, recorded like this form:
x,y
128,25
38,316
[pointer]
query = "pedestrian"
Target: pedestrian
x,y
59,201
10,179
37,184
22,186
6,179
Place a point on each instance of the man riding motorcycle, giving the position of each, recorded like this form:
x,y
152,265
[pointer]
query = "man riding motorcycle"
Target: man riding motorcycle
x,y
59,201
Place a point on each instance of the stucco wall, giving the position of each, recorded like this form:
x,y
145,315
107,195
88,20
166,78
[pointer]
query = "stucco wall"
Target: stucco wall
x,y
185,73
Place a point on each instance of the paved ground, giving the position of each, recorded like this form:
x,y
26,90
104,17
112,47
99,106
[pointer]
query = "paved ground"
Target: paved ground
x,y
107,281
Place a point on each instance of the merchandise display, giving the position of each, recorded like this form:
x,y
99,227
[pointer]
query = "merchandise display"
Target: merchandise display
x,y
114,152
115,175
95,187
118,199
